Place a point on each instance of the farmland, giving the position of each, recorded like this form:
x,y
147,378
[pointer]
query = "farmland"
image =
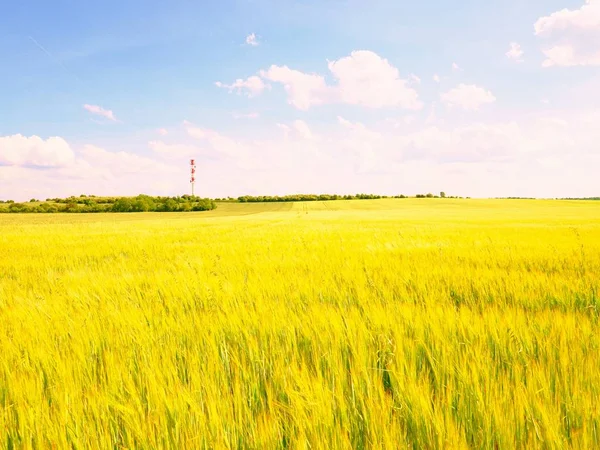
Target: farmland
x,y
394,323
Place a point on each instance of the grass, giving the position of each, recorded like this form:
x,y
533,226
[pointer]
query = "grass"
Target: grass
x,y
361,324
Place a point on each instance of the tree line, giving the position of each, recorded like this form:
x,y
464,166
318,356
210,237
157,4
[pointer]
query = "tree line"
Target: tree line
x,y
91,204
184,203
326,197
305,198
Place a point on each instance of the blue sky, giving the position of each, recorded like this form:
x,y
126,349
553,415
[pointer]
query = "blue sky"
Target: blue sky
x,y
422,96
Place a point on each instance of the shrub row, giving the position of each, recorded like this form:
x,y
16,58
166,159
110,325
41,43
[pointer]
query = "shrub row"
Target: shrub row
x,y
306,198
141,203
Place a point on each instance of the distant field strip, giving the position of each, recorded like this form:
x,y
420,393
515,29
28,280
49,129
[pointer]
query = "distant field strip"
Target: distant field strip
x,y
364,324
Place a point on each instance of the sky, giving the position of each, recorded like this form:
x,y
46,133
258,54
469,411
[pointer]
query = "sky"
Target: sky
x,y
480,99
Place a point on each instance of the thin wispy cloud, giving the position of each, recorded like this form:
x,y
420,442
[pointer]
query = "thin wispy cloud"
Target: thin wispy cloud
x,y
52,57
252,86
253,115
99,111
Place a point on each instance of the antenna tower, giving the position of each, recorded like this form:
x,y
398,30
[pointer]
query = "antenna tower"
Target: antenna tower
x,y
193,174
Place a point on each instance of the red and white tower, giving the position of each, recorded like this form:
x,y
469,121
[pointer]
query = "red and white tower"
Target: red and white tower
x,y
193,174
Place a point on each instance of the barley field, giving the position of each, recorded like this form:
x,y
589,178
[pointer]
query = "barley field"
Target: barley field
x,y
367,324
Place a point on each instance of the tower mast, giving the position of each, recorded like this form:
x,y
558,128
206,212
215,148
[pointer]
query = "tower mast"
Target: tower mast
x,y
193,175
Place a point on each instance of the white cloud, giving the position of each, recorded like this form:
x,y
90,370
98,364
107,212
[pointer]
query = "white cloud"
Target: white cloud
x,y
456,67
567,56
469,97
304,90
285,128
99,111
437,78
252,40
216,144
415,79
399,122
120,162
358,127
366,79
586,18
529,155
515,52
303,129
574,36
363,78
252,115
18,150
34,167
162,131
343,122
252,86
298,130
173,150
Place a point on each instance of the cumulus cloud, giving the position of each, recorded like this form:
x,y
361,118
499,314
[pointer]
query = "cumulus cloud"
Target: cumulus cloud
x,y
363,78
60,169
162,131
120,162
366,79
437,78
252,86
468,97
303,89
252,40
586,18
567,56
99,111
574,36
18,150
217,145
543,155
515,52
303,129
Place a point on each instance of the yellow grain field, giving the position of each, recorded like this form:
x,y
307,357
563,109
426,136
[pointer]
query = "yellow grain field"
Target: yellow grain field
x,y
387,324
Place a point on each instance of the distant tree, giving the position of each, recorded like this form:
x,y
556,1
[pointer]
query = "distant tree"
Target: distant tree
x,y
204,205
443,194
71,207
143,203
16,207
170,205
123,204
185,207
47,208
